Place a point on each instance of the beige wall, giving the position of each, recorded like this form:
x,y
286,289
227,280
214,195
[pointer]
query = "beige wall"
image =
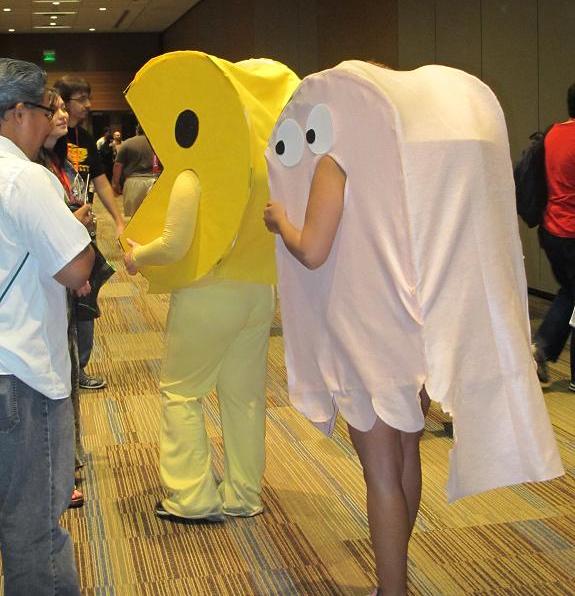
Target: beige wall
x,y
523,49
307,35
107,60
364,30
221,27
84,51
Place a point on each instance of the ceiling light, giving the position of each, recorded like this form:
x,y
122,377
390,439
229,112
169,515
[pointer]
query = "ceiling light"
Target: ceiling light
x,y
55,3
102,8
52,24
91,29
53,16
10,10
11,30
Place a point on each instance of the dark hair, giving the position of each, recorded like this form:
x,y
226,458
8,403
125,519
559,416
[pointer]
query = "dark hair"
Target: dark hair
x,y
57,155
20,82
571,101
68,85
61,149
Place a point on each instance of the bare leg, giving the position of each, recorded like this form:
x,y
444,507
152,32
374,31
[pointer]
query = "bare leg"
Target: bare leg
x,y
411,475
381,457
392,472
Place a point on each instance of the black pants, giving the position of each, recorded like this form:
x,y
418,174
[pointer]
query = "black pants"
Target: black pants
x,y
555,330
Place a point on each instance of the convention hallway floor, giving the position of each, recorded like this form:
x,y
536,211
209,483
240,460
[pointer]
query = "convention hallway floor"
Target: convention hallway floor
x,y
313,537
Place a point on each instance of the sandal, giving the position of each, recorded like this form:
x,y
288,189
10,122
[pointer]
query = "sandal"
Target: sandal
x,y
76,500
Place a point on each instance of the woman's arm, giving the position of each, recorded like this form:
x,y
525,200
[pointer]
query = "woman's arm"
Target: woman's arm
x,y
106,194
312,244
179,228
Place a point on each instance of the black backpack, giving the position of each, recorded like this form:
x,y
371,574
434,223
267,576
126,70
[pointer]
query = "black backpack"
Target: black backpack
x,y
531,181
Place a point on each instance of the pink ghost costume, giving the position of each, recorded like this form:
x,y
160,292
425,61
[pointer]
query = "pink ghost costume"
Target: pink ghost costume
x,y
425,281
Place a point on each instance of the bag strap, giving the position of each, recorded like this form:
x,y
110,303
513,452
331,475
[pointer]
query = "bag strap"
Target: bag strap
x,y
14,276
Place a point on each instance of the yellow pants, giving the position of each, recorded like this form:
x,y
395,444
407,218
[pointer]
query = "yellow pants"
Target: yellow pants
x,y
217,336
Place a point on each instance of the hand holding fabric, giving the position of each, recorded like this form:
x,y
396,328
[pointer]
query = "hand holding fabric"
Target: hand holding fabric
x,y
274,215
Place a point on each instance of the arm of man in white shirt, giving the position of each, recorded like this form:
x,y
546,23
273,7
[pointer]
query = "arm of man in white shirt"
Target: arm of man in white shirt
x,y
75,274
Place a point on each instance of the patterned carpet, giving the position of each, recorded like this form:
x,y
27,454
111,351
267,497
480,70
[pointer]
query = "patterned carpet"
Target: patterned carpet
x,y
313,537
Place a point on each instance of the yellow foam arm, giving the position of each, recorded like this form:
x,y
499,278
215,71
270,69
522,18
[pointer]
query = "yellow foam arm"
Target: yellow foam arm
x,y
180,226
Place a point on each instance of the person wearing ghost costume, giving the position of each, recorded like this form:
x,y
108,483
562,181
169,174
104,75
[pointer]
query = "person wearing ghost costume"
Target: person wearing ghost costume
x,y
394,193
199,235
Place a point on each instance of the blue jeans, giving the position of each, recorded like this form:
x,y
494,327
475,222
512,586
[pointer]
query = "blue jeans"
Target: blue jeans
x,y
554,331
85,341
36,481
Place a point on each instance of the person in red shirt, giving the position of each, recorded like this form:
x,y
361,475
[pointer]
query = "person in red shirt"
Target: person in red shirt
x,y
557,238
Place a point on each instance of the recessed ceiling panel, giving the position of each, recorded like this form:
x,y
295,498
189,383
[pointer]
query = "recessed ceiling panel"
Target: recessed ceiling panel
x,y
83,16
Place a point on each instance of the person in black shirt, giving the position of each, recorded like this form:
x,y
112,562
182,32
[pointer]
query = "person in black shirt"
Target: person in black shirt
x,y
107,153
83,154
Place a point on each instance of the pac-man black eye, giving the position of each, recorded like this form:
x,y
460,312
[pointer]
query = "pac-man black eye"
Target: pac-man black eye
x,y
319,129
187,128
289,143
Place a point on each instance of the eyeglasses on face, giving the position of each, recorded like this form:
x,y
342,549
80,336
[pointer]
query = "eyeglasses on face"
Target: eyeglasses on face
x,y
48,111
82,99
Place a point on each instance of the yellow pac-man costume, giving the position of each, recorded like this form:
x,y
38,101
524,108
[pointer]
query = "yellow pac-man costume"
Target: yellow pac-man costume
x,y
202,237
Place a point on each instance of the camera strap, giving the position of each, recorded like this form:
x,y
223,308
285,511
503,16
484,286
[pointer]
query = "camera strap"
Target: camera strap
x,y
14,276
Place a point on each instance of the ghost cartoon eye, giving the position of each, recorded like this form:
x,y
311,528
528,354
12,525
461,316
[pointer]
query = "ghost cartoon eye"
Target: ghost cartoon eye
x,y
319,129
187,129
289,143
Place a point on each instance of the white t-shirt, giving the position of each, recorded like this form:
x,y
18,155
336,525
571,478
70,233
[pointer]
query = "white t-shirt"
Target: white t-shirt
x,y
33,320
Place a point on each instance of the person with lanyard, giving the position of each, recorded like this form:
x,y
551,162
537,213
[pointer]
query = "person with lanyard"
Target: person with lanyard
x,y
53,156
83,154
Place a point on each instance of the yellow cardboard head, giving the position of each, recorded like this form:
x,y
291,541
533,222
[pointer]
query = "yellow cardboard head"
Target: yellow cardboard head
x,y
214,117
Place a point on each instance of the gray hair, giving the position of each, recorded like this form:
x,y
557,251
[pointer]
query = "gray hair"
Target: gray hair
x,y
20,82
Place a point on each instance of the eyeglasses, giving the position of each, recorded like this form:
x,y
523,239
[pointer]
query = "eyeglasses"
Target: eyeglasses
x,y
48,111
82,99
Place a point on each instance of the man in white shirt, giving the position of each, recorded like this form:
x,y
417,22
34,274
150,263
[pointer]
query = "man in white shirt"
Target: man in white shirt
x,y
43,250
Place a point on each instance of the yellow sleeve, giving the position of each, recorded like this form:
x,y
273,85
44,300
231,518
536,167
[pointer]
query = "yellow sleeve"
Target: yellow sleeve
x,y
180,225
